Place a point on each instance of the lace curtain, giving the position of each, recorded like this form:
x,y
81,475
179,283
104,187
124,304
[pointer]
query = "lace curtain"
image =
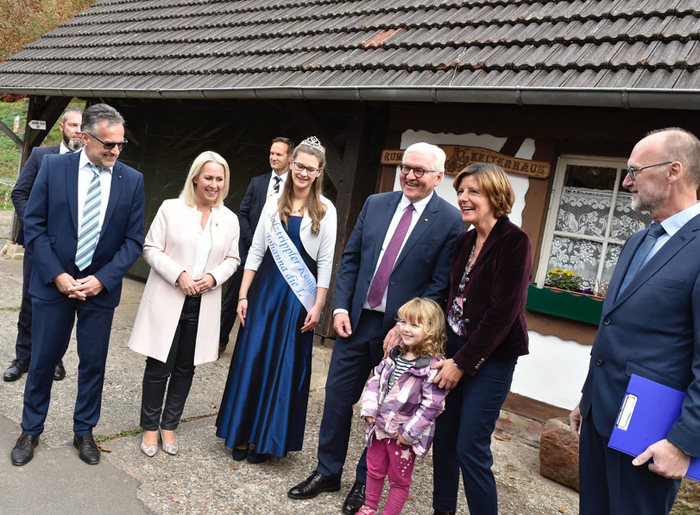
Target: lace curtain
x,y
583,213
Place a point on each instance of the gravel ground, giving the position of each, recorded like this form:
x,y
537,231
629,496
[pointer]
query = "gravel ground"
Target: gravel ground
x,y
202,478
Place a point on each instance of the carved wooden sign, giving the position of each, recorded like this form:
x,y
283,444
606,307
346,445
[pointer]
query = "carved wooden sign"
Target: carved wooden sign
x,y
458,157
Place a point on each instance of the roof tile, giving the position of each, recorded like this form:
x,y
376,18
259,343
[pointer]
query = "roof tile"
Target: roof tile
x,y
149,45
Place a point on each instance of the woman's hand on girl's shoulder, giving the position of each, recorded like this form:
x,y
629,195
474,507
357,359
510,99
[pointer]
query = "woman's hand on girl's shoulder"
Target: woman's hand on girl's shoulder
x,y
449,375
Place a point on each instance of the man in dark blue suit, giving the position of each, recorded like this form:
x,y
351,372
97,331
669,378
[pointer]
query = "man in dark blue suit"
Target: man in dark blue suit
x,y
365,305
70,129
259,190
83,228
650,327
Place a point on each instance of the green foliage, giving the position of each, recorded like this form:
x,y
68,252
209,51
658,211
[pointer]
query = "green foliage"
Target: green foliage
x,y
25,21
10,153
564,279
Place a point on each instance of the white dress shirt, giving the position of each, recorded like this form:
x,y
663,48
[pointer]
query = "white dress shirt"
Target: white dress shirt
x,y
201,255
672,225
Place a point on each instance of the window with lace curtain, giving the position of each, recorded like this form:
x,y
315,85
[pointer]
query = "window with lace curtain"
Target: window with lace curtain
x,y
590,217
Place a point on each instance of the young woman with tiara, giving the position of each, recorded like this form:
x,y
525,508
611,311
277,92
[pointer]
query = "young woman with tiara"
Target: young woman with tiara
x,y
284,287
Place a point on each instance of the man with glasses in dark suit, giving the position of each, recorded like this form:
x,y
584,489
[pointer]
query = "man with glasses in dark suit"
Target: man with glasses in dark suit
x,y
83,227
650,327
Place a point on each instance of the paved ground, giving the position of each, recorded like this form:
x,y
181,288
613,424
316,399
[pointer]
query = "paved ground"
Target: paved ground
x,y
202,478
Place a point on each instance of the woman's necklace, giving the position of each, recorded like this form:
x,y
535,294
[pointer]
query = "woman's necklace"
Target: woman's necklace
x,y
297,211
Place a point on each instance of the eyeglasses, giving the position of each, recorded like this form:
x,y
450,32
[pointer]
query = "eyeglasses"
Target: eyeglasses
x,y
634,171
310,170
109,145
418,172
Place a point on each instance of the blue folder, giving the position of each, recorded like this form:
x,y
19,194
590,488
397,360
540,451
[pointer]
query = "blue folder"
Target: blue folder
x,y
647,414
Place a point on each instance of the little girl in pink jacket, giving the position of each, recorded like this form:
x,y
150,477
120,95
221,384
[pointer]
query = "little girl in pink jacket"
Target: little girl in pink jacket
x,y
401,403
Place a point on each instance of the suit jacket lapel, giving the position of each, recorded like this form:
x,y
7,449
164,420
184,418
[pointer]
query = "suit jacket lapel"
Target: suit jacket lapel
x,y
382,226
620,270
670,249
426,219
491,240
115,191
71,172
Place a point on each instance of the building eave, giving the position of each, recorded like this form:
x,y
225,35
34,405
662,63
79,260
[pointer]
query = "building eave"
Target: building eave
x,y
626,98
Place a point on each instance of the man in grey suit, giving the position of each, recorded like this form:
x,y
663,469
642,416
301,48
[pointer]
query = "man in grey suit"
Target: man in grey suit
x,y
71,142
650,327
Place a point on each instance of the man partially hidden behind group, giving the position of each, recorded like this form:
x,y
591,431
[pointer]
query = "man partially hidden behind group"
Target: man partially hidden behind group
x,y
71,142
83,228
400,248
650,327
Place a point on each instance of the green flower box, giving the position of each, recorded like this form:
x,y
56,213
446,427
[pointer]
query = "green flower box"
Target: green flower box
x,y
565,304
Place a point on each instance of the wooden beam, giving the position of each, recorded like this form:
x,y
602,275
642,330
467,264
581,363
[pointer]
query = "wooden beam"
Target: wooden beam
x,y
10,134
48,109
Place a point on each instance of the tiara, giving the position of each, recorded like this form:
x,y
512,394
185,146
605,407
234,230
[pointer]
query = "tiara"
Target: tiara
x,y
313,143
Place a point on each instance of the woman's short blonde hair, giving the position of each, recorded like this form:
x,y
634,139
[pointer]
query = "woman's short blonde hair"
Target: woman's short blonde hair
x,y
429,314
494,183
205,157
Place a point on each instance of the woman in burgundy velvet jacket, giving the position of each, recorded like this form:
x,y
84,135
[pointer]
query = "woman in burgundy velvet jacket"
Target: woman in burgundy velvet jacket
x,y
489,276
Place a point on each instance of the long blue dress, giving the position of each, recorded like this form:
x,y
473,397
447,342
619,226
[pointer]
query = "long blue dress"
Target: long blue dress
x,y
267,389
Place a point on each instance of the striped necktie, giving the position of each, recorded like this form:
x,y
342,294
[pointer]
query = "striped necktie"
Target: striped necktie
x,y
90,226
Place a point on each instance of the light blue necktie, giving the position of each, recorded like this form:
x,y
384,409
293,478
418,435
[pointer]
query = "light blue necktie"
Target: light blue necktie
x,y
652,235
90,226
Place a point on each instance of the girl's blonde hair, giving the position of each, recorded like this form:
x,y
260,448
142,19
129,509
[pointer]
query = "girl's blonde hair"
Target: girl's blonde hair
x,y
205,157
315,207
427,313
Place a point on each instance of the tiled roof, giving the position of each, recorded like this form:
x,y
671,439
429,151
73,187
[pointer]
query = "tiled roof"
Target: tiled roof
x,y
603,52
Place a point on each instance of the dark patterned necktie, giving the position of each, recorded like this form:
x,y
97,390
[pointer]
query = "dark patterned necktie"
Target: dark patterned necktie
x,y
276,187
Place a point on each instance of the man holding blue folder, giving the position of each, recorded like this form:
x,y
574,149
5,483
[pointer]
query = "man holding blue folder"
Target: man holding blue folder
x,y
650,327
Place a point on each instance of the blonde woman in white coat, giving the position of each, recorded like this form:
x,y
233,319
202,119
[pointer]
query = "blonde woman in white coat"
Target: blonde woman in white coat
x,y
192,248
282,293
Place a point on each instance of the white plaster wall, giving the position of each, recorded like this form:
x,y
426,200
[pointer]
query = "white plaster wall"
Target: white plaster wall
x,y
553,372
555,369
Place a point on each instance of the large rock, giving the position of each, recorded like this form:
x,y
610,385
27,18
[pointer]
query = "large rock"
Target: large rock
x,y
559,453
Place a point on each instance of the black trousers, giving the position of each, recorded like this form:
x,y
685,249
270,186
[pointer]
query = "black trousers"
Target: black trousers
x,y
176,374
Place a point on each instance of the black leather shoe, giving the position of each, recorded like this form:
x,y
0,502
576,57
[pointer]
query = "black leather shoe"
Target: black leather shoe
x,y
17,368
23,451
355,499
444,512
314,485
60,372
89,452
